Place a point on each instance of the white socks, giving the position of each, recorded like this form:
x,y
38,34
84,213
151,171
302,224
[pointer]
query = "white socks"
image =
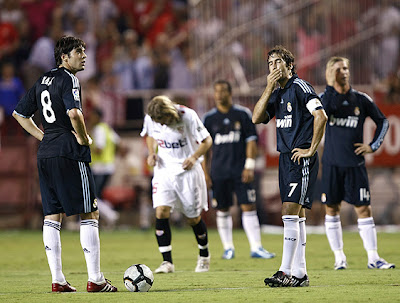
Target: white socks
x,y
366,228
251,226
52,245
333,228
90,241
299,268
291,231
224,226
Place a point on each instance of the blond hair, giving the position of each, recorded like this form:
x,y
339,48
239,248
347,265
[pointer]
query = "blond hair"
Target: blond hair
x,y
160,106
335,59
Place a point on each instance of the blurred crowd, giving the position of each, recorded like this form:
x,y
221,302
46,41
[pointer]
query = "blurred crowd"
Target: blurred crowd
x,y
130,45
153,44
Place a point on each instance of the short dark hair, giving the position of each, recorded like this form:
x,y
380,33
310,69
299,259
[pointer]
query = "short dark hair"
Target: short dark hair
x,y
285,54
65,45
227,83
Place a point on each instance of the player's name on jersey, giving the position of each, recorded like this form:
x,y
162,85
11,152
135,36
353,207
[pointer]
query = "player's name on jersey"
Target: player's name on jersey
x,y
47,80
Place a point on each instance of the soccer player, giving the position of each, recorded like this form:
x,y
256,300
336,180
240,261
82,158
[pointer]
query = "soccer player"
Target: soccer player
x,y
66,181
300,125
232,169
176,140
344,175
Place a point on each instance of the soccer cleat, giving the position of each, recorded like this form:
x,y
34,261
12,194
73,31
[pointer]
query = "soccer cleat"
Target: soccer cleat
x,y
381,264
279,279
340,265
261,253
203,264
165,268
228,254
103,286
57,287
303,282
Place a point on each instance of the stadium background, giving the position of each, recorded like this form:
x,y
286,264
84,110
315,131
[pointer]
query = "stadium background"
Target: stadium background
x,y
180,48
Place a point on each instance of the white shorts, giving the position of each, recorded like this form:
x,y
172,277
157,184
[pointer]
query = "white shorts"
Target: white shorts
x,y
186,192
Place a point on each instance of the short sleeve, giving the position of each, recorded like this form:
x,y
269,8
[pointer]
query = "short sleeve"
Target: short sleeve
x,y
72,93
27,106
147,129
197,127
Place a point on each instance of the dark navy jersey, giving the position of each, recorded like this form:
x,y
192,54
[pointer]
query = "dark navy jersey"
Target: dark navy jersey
x,y
292,106
230,133
54,94
346,117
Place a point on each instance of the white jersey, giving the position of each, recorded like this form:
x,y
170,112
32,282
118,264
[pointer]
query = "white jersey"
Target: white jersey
x,y
176,142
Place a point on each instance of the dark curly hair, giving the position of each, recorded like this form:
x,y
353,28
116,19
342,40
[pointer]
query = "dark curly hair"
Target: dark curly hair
x,y
285,54
65,45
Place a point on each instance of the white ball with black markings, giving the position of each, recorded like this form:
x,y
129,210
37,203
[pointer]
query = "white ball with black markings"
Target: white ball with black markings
x,y
138,278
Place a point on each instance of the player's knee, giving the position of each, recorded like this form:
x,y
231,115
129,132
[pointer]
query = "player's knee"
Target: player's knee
x,y
248,207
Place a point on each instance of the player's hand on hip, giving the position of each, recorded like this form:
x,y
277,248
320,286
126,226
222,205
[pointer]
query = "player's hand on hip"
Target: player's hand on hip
x,y
189,162
362,149
152,159
247,175
81,141
299,153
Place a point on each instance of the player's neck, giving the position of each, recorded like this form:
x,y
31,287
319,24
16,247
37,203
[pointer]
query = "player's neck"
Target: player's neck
x,y
341,89
282,82
67,67
224,108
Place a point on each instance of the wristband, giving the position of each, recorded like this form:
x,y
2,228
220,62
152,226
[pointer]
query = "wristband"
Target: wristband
x,y
250,164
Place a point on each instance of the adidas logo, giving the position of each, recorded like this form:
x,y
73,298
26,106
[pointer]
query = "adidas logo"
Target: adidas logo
x,y
47,248
345,102
87,251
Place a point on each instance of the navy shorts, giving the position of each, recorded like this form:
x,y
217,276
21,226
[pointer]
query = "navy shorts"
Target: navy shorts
x,y
223,190
348,184
297,181
67,186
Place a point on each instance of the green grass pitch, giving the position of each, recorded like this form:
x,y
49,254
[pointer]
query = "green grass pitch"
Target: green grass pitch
x,y
25,276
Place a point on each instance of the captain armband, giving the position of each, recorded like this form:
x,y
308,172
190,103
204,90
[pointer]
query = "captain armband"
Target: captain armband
x,y
250,164
313,105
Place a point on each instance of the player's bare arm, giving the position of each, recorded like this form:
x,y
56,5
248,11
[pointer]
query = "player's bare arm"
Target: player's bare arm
x,y
78,123
362,149
152,147
206,168
249,166
260,109
320,119
30,126
201,150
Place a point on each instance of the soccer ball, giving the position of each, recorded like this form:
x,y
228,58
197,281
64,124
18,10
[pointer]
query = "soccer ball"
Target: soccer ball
x,y
138,277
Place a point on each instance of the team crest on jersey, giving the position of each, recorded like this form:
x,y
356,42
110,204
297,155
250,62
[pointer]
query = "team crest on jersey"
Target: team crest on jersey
x,y
357,111
95,203
323,198
289,107
75,93
237,125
